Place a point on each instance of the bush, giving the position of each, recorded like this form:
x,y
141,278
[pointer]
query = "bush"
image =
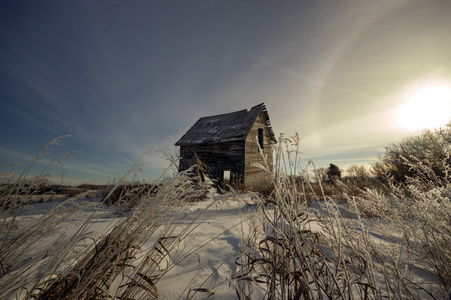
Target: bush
x,y
130,194
421,209
333,173
430,146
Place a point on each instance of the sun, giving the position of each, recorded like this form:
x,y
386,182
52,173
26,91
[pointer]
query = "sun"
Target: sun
x,y
426,107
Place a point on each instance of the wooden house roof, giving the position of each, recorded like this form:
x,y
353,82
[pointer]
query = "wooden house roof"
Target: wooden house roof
x,y
225,128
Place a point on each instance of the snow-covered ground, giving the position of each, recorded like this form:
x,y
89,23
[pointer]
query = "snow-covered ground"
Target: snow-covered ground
x,y
209,252
204,259
217,245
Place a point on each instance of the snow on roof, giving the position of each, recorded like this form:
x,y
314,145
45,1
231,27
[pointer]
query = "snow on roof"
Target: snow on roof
x,y
230,127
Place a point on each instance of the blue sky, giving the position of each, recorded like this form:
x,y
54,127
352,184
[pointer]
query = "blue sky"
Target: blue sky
x,y
121,77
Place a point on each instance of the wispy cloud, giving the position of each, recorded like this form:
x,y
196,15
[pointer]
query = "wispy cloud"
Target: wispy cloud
x,y
120,87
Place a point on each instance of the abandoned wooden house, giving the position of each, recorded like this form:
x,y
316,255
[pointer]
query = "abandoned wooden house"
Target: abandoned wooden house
x,y
229,144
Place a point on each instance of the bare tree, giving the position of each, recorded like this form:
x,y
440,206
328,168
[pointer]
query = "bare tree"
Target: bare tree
x,y
321,175
358,172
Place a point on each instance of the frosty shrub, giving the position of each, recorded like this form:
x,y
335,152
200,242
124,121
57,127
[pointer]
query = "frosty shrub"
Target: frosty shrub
x,y
372,247
425,210
433,146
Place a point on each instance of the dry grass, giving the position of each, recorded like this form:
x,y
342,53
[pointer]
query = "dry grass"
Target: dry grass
x,y
346,259
121,252
380,248
38,260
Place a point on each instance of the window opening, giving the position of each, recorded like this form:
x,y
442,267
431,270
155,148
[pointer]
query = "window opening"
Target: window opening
x,y
260,138
226,175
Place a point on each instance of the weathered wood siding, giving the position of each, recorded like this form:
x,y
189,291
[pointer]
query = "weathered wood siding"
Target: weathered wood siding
x,y
231,142
217,157
254,175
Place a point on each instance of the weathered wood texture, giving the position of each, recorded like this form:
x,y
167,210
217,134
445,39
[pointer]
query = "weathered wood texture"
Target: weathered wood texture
x,y
231,142
253,174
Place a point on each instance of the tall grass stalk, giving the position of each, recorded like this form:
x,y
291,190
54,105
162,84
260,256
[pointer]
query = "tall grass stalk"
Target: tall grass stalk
x,y
12,250
19,184
372,247
118,265
39,260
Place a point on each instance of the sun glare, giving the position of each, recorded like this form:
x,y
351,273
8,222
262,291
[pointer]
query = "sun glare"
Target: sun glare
x,y
427,107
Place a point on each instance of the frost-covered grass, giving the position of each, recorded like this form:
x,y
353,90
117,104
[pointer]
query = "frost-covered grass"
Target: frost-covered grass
x,y
185,240
371,246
